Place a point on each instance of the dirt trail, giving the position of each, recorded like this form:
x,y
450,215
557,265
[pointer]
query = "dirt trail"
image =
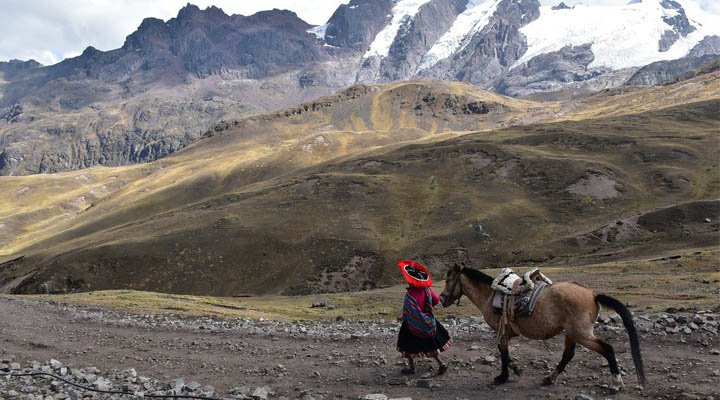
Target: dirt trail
x,y
679,366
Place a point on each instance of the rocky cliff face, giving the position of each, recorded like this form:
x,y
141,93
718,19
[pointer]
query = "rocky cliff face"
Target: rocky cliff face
x,y
414,38
140,132
707,51
551,71
492,50
709,45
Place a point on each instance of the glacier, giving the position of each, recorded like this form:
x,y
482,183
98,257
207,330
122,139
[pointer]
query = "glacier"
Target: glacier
x,y
620,36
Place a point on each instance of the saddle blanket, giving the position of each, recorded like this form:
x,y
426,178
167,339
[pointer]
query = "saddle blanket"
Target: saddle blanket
x,y
524,303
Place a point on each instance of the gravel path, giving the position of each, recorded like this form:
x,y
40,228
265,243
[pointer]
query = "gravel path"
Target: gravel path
x,y
332,359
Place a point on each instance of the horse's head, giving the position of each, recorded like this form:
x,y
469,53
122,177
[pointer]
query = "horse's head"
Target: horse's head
x,y
453,287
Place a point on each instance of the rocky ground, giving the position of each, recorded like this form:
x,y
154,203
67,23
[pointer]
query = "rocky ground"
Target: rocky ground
x,y
258,358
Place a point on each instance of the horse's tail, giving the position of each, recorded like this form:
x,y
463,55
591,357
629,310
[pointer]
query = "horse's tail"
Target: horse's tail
x,y
618,307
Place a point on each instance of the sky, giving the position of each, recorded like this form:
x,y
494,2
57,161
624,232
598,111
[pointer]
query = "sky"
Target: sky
x,y
51,30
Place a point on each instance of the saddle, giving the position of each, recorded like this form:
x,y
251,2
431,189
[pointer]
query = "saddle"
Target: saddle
x,y
507,280
515,296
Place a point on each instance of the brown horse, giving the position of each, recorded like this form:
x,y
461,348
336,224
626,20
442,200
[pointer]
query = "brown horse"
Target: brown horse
x,y
564,306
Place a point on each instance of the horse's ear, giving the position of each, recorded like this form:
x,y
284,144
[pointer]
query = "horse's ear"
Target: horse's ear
x,y
456,267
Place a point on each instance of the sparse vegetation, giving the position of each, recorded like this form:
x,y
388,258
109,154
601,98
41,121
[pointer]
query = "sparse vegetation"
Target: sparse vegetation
x,y
268,217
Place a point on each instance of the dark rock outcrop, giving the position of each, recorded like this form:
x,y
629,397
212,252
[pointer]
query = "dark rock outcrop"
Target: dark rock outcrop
x,y
355,25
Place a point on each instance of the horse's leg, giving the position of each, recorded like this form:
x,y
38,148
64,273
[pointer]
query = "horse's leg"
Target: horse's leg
x,y
515,367
505,362
608,352
568,354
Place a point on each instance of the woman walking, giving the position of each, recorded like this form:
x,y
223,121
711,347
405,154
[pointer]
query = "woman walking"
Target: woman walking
x,y
421,335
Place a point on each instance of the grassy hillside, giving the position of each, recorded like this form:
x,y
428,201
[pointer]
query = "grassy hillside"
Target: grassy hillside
x,y
677,280
326,196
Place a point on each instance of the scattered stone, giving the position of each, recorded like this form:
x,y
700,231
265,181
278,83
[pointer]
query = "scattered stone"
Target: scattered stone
x,y
426,383
261,393
398,381
176,384
374,396
489,360
583,397
690,396
102,384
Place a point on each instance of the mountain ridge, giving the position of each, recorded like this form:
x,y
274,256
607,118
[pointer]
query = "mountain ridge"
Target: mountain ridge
x,y
204,66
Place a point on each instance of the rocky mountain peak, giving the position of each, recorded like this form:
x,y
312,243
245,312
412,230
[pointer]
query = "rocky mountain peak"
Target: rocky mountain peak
x,y
280,19
356,24
150,31
709,45
189,11
16,65
89,51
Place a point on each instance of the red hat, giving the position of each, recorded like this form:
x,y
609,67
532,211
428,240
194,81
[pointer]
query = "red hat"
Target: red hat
x,y
415,274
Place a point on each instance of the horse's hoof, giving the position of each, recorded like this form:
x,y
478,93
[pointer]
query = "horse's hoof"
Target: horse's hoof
x,y
517,370
617,383
500,379
549,380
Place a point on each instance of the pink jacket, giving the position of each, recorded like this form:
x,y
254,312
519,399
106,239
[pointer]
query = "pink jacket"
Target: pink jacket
x,y
419,295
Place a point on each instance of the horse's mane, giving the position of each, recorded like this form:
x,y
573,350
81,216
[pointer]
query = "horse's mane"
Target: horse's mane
x,y
477,276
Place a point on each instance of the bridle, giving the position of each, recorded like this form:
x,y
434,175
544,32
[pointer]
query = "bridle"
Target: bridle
x,y
457,281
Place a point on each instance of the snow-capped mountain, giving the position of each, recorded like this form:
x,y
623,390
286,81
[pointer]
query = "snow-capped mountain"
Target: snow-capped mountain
x,y
501,43
274,59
